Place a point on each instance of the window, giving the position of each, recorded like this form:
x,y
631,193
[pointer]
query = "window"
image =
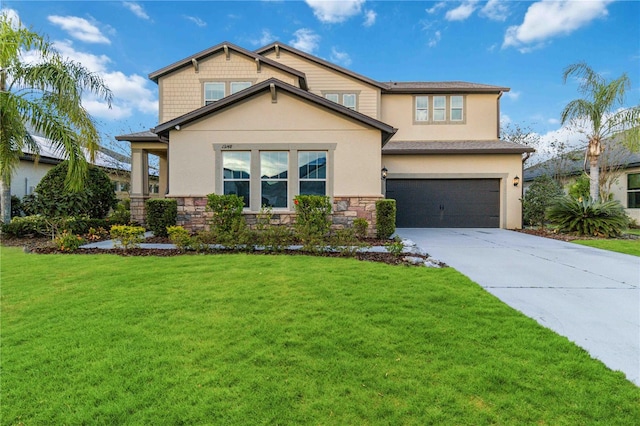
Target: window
x,y
237,174
274,168
237,86
456,108
312,172
349,100
124,186
213,91
439,108
422,108
154,188
633,191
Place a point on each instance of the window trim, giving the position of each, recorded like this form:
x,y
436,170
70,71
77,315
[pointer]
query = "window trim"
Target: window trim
x,y
227,86
442,108
461,108
340,94
250,180
286,180
431,110
325,179
415,109
632,190
292,149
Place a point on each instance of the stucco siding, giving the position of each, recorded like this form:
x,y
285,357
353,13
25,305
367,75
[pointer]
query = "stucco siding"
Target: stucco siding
x,y
27,176
480,119
504,167
322,79
289,122
619,191
182,91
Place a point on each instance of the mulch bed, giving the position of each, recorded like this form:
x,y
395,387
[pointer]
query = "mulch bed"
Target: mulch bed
x,y
43,245
549,233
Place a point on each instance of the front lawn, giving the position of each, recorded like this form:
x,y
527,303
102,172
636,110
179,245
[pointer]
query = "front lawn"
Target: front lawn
x,y
240,339
631,247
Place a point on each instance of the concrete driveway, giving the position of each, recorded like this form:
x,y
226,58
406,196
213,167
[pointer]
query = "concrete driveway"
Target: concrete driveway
x,y
591,296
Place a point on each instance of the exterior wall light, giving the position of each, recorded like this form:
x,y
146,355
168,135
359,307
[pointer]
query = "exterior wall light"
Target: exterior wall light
x,y
516,181
384,172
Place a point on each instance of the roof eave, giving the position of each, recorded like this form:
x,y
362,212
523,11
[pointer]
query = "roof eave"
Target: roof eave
x,y
452,151
403,91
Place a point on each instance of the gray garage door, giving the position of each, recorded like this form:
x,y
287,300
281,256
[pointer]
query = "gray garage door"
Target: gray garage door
x,y
446,203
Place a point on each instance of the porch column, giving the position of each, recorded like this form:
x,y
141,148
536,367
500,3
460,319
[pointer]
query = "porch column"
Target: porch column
x,y
163,179
139,184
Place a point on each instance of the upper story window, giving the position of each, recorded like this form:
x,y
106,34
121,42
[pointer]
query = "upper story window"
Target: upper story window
x,y
216,90
439,109
347,99
633,191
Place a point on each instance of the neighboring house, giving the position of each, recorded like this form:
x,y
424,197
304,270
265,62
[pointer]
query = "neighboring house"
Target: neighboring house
x,y
29,172
622,173
277,122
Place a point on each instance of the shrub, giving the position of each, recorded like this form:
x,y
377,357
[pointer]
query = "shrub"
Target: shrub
x,y
313,219
580,188
227,212
272,237
94,200
26,225
586,217
385,218
127,236
540,195
346,242
161,213
96,234
395,247
30,205
16,206
121,215
180,237
360,227
67,241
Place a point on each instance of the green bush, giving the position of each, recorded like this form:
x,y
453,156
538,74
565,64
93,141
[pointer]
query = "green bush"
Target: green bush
x,y
227,212
580,188
26,225
345,242
16,206
360,227
94,200
395,247
180,237
121,215
586,217
161,212
274,238
127,236
313,220
540,195
385,218
30,205
67,241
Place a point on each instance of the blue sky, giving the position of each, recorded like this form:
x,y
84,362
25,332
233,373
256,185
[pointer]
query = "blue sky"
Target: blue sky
x,y
524,45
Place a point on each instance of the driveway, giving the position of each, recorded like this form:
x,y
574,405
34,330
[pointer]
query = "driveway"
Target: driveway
x,y
591,296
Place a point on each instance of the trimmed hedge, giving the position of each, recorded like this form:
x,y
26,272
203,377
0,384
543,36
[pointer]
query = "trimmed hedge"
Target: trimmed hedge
x,y
161,212
385,218
41,225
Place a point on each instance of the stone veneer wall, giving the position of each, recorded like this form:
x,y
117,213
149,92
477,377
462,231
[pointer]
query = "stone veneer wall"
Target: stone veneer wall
x,y
139,210
192,213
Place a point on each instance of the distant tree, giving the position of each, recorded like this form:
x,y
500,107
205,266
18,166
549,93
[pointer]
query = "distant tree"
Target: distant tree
x,y
540,195
521,134
47,97
600,107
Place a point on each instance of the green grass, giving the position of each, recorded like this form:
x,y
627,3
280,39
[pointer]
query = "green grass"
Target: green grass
x,y
240,339
631,247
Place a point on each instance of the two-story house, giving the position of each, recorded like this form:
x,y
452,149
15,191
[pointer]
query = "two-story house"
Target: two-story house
x,y
277,122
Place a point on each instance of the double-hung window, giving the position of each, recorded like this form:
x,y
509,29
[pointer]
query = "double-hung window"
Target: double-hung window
x,y
349,100
274,168
213,91
236,176
333,97
312,167
422,108
439,108
633,191
456,108
237,86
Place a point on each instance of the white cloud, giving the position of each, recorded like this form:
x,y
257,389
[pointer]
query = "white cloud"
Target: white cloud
x,y
496,10
265,38
136,9
546,19
199,22
553,121
369,18
12,17
504,119
333,11
130,92
513,95
79,28
436,8
305,40
433,41
341,58
461,12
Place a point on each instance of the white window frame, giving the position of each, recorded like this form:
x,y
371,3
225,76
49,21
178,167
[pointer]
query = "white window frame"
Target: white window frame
x,y
217,83
232,179
452,108
442,109
245,85
333,97
326,157
271,179
418,108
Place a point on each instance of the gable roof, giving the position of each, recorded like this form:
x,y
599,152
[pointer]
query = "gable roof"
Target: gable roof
x,y
188,61
441,87
162,130
319,61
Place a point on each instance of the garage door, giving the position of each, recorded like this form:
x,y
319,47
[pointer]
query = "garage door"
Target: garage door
x,y
446,203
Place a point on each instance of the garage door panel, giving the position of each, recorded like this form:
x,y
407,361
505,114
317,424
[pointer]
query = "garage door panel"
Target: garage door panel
x,y
446,203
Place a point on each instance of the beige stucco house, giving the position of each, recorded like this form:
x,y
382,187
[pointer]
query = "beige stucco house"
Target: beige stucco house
x,y
277,122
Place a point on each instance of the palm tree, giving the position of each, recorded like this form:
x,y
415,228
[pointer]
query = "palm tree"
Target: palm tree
x,y
46,97
602,109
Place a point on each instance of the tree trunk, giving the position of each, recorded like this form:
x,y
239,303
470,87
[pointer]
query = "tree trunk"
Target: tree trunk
x,y
5,201
594,178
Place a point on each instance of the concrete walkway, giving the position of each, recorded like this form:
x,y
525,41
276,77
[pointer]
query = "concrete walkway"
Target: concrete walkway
x,y
591,296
